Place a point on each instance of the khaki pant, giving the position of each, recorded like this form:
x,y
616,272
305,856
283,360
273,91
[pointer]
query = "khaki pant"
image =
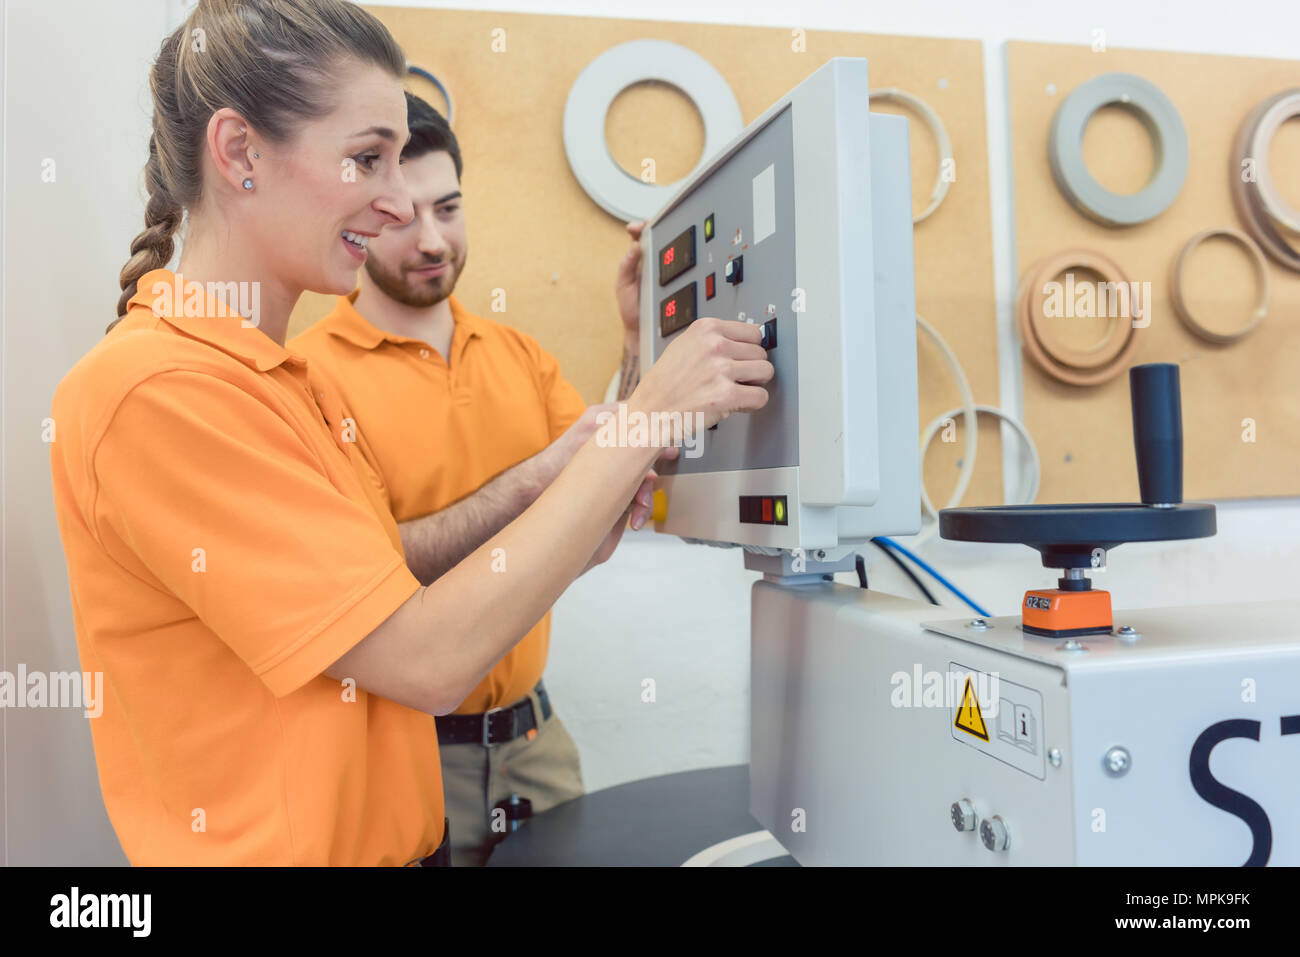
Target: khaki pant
x,y
546,770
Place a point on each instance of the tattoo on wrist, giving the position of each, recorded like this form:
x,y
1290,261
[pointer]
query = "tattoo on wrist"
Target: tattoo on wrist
x,y
630,371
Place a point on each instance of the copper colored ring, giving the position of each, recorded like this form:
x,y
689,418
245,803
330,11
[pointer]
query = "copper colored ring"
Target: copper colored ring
x,y
1080,367
1261,272
1246,196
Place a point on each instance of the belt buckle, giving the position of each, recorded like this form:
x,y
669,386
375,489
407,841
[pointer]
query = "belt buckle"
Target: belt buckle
x,y
487,725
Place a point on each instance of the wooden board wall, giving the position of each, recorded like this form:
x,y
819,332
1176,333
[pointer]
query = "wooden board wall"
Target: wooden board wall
x,y
1085,434
536,234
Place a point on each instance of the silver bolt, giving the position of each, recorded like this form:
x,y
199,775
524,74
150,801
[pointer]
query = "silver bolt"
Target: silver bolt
x,y
1127,633
994,833
979,624
1071,645
963,815
1054,757
1117,761
821,553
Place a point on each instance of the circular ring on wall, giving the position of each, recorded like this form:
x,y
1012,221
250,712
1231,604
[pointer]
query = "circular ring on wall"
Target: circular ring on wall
x,y
1074,366
932,120
414,70
1029,486
1282,107
612,188
1158,115
1262,280
1246,189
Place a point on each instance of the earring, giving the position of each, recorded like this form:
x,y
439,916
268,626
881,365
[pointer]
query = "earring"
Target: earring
x,y
248,184
257,156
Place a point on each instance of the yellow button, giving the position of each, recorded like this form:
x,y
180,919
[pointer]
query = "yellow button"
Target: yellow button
x,y
660,511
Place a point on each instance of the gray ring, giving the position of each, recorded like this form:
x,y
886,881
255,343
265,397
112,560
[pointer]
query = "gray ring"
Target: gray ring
x,y
613,188
1158,115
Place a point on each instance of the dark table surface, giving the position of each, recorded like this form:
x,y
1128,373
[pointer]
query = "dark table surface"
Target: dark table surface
x,y
659,821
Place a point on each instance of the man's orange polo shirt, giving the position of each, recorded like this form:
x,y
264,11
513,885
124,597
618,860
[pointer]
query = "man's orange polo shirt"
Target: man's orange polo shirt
x,y
437,431
225,547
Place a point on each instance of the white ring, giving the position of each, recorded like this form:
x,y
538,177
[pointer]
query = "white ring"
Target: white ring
x,y
613,188
972,435
1012,421
932,120
739,851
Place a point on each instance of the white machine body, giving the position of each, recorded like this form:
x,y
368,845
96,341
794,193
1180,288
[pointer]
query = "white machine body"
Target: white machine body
x,y
1178,747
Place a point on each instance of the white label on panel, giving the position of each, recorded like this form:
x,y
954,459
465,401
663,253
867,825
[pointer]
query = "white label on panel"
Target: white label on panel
x,y
998,717
764,204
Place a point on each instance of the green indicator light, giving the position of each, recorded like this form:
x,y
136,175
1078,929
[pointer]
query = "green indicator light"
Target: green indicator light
x,y
780,510
708,228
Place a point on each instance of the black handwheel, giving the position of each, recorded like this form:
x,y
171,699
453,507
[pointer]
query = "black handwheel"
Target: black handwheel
x,y
1068,536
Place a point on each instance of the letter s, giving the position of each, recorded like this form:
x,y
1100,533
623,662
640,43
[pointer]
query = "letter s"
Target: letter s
x,y
1224,797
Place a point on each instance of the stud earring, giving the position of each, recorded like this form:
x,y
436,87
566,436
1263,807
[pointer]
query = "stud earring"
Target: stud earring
x,y
248,184
257,156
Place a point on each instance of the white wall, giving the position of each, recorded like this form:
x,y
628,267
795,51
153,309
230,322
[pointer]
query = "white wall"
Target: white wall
x,y
75,91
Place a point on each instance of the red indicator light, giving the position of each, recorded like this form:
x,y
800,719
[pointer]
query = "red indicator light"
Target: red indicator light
x,y
708,286
767,511
668,256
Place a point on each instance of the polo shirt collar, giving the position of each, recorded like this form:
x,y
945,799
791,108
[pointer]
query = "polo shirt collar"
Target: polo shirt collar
x,y
351,326
216,324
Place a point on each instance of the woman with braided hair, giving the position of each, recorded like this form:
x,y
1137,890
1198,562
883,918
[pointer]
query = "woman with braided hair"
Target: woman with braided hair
x,y
271,667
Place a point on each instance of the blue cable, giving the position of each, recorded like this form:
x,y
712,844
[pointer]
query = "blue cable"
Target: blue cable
x,y
419,71
937,577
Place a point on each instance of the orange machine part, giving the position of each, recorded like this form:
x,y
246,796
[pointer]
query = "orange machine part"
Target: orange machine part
x,y
1055,613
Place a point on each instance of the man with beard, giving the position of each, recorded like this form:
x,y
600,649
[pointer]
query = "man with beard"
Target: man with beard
x,y
466,421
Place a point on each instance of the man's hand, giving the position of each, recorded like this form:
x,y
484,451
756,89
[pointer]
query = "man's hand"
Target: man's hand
x,y
628,286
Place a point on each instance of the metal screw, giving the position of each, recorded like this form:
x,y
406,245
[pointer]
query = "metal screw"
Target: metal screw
x,y
979,624
821,553
1071,645
1127,633
1054,757
994,833
1117,761
963,815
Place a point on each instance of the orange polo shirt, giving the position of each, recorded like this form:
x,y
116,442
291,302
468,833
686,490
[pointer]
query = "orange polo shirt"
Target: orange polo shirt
x,y
437,431
225,546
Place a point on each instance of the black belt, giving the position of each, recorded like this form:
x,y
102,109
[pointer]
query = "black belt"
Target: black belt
x,y
493,727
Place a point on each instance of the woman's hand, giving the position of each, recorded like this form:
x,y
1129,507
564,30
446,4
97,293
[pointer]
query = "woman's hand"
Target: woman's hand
x,y
713,368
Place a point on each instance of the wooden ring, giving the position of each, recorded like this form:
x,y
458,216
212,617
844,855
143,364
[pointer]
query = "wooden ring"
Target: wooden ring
x,y
1081,367
1261,272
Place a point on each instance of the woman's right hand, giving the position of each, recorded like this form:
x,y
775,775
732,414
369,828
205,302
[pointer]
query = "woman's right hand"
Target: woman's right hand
x,y
713,368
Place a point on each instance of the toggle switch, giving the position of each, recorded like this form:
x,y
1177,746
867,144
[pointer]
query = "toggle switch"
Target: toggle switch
x,y
735,270
769,335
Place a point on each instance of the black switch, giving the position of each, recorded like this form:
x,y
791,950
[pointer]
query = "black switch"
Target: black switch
x,y
735,271
769,335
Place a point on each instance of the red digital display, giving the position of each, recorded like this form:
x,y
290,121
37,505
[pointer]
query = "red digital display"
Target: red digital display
x,y
677,257
677,311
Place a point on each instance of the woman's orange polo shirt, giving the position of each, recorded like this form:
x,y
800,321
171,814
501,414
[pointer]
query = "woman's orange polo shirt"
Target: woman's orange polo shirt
x,y
225,545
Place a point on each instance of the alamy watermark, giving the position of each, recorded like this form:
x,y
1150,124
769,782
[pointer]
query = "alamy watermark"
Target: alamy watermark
x,y
190,299
1098,300
54,689
631,429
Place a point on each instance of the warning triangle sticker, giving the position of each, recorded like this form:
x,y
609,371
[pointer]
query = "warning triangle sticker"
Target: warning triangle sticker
x,y
969,718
